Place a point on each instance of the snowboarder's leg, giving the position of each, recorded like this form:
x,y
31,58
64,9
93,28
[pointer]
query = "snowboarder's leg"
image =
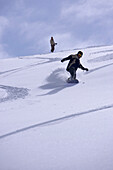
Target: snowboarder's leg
x,y
52,48
73,73
72,79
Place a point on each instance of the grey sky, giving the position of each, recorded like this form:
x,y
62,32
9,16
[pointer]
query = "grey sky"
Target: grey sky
x,y
27,25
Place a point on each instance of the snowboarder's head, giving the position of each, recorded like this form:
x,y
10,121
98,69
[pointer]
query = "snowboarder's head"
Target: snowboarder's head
x,y
80,54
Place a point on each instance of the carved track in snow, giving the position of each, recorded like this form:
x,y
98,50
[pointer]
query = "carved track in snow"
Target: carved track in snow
x,y
56,121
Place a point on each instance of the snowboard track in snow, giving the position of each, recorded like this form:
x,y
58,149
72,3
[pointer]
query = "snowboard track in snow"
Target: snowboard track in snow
x,y
13,93
55,121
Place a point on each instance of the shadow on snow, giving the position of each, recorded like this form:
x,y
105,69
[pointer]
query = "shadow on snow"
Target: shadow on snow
x,y
56,82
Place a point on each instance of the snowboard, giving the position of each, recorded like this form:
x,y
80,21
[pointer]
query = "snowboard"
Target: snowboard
x,y
69,80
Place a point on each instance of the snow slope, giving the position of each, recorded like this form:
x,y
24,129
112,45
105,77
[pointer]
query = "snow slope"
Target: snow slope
x,y
47,124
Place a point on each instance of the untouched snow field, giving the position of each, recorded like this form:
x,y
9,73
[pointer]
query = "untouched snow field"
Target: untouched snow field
x,y
48,124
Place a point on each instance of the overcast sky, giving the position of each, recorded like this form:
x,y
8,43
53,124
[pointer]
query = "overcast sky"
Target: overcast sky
x,y
27,25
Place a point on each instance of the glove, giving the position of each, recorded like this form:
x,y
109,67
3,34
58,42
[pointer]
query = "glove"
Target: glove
x,y
86,69
62,60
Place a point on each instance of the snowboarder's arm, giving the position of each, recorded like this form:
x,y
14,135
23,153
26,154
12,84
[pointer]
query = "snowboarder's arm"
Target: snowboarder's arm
x,y
67,58
83,68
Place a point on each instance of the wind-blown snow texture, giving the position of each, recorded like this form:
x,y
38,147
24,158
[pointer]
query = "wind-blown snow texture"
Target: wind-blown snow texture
x,y
48,124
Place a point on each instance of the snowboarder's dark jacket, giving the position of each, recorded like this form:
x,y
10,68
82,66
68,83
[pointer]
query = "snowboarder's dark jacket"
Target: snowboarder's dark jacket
x,y
74,62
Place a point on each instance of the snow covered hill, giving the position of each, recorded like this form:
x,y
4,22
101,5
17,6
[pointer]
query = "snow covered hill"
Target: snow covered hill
x,y
48,124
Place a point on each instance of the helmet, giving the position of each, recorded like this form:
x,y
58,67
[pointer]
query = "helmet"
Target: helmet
x,y
80,53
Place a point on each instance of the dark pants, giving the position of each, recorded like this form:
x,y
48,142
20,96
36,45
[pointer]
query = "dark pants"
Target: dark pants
x,y
52,48
72,71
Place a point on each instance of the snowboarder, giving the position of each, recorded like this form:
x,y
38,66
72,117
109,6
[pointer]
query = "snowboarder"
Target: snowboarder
x,y
74,64
52,42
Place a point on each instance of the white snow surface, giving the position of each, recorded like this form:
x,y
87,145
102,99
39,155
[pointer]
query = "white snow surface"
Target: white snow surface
x,y
48,124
